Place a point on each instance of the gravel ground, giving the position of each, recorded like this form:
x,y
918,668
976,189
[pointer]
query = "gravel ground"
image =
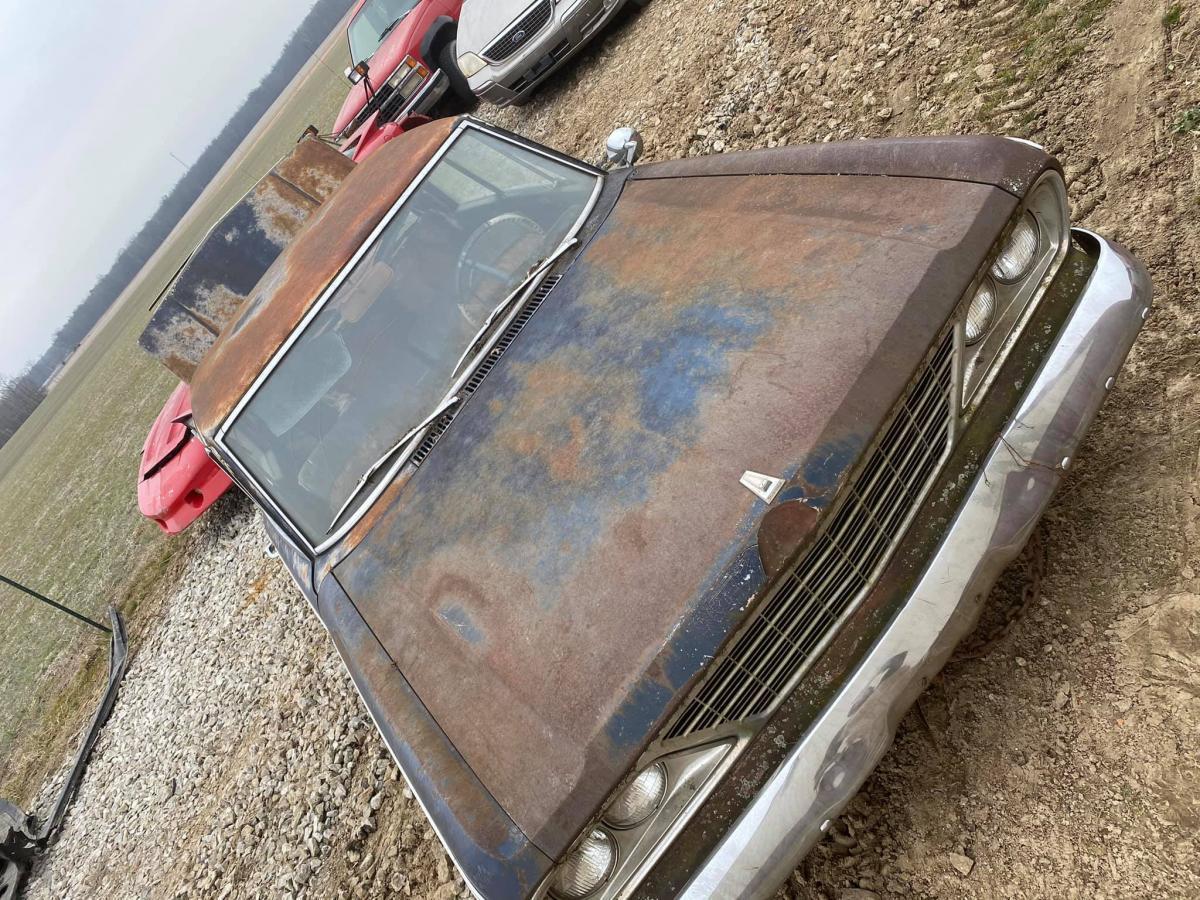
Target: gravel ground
x,y
1055,755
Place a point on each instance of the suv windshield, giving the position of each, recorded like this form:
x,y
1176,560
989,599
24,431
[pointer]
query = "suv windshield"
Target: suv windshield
x,y
380,354
369,24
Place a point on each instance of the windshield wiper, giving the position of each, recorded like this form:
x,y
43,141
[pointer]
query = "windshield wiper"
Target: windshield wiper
x,y
390,452
535,272
383,34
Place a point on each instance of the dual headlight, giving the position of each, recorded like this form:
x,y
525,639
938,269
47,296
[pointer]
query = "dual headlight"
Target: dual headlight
x,y
471,64
1027,259
1014,263
592,861
637,824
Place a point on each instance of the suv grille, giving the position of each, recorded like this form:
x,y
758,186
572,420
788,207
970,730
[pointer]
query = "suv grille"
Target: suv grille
x,y
531,22
489,362
842,564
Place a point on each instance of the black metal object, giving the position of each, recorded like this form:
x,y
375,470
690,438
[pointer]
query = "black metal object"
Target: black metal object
x,y
42,597
20,837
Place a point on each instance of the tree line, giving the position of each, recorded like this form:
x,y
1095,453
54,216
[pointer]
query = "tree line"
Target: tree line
x,y
20,394
19,397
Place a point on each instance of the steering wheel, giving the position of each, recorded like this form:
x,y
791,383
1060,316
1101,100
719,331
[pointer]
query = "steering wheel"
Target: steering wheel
x,y
499,249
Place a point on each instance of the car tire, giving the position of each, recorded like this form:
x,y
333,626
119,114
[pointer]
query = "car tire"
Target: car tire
x,y
448,63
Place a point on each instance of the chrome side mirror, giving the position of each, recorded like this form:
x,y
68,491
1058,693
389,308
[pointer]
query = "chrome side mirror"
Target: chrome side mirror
x,y
355,74
623,147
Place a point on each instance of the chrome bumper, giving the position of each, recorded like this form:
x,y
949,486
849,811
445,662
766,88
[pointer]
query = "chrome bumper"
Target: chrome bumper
x,y
1025,466
427,95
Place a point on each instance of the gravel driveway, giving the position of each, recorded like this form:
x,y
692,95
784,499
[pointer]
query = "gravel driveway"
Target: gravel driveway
x,y
1055,757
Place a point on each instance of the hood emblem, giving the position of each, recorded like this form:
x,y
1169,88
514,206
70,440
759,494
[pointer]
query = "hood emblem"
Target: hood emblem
x,y
765,487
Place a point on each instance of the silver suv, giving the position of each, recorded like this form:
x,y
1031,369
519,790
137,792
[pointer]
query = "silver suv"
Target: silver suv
x,y
506,47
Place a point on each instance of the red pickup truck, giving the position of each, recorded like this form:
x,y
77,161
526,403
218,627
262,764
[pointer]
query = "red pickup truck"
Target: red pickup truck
x,y
403,63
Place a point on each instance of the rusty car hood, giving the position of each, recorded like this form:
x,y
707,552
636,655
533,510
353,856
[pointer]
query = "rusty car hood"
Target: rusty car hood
x,y
578,546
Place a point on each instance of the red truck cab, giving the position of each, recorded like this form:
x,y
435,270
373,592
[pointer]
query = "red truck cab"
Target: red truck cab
x,y
403,64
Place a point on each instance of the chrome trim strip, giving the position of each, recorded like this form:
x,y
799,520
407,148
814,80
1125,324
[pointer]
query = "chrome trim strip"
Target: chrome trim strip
x,y
466,124
826,768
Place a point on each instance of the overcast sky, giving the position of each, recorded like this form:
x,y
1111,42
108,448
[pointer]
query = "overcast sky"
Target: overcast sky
x,y
95,95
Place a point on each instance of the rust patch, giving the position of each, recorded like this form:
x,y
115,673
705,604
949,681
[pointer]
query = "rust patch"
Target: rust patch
x,y
783,529
314,168
215,281
979,159
492,851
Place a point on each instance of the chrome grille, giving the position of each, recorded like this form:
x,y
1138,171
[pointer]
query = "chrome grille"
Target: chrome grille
x,y
841,566
531,22
489,362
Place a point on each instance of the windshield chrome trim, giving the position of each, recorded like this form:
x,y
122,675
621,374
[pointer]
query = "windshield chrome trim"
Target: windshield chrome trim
x,y
467,124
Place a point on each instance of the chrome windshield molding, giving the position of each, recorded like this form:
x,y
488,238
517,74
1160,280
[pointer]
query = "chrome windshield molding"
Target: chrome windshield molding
x,y
822,773
465,125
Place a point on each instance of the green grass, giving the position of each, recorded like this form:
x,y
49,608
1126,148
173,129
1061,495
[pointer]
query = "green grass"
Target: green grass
x,y
1172,16
1187,122
69,522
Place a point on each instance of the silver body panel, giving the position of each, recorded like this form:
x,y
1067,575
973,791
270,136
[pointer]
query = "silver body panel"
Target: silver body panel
x,y
826,768
509,80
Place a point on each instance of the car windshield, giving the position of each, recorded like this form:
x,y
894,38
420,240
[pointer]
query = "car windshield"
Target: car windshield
x,y
369,24
380,354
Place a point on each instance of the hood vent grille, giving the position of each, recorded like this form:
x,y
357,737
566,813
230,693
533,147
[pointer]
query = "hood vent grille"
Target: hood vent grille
x,y
793,626
489,362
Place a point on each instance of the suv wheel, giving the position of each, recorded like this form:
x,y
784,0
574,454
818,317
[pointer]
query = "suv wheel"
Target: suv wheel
x,y
448,63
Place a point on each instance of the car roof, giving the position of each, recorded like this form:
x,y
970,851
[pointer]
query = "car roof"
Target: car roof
x,y
297,278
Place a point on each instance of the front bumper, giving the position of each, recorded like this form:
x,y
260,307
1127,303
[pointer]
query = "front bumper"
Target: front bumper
x,y
824,770
421,103
570,27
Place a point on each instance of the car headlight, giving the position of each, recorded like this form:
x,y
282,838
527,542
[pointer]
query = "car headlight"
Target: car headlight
x,y
639,799
636,825
408,67
1019,252
1026,261
585,868
471,64
980,312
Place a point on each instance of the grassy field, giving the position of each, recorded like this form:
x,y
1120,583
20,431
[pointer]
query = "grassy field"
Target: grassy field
x,y
69,523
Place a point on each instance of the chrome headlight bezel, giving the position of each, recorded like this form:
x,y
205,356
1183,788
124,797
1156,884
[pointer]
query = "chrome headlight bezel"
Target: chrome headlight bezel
x,y
1015,300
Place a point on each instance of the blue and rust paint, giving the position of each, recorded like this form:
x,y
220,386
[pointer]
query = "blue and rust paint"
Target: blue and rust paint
x,y
577,548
